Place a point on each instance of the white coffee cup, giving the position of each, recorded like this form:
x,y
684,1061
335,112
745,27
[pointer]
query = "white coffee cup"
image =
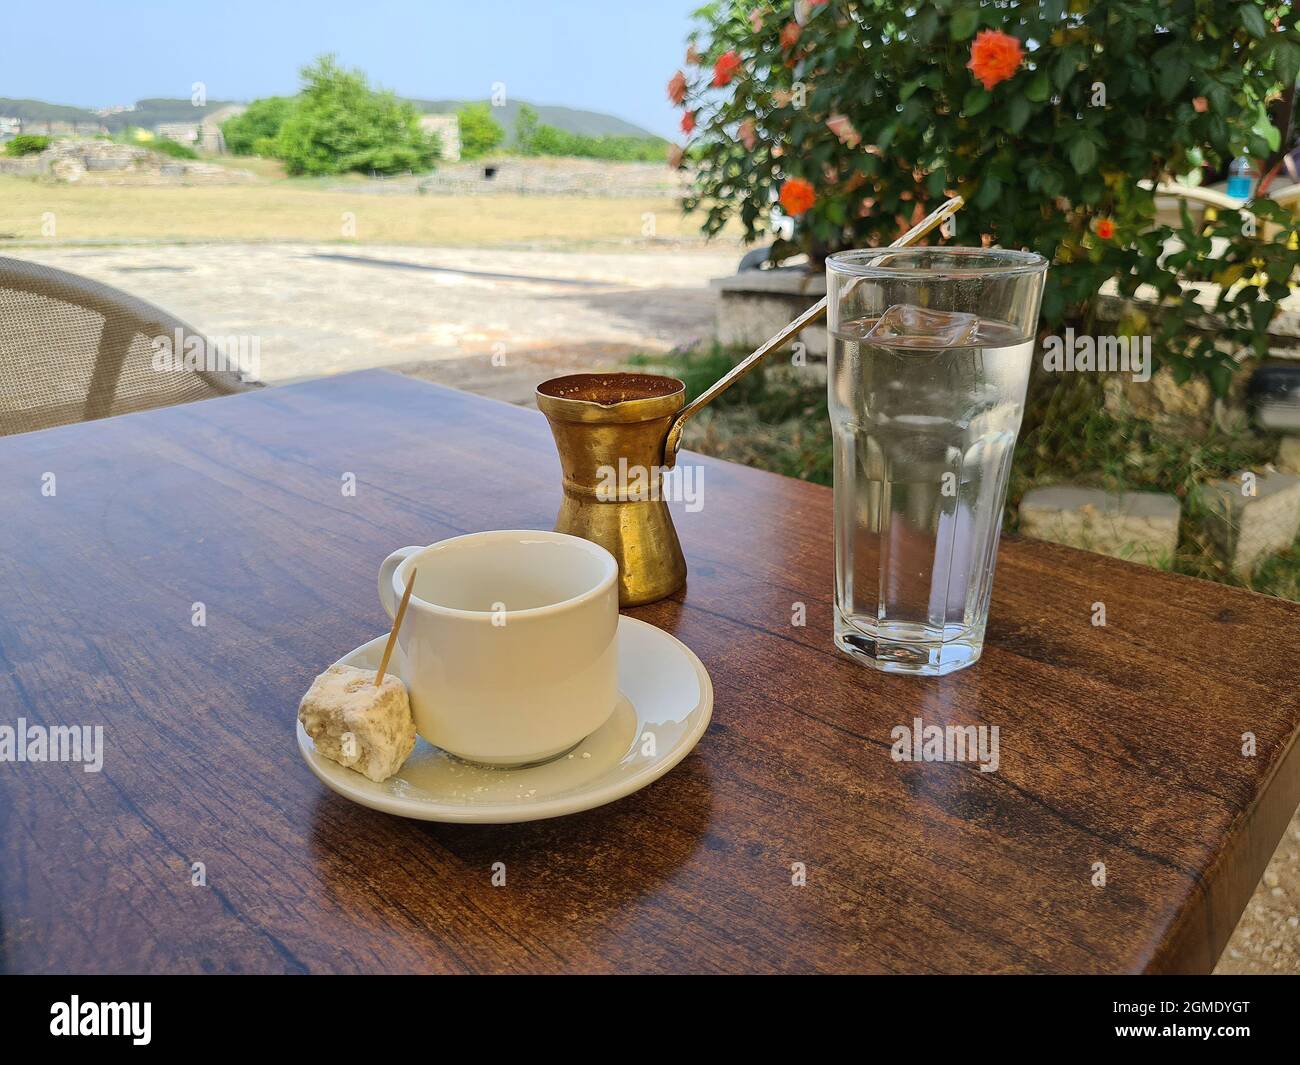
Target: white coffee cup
x,y
508,647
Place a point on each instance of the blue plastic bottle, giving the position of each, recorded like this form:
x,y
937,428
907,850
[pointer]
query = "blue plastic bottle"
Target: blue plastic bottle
x,y
1241,179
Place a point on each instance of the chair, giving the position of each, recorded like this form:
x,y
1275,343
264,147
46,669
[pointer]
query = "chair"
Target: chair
x,y
73,350
1200,198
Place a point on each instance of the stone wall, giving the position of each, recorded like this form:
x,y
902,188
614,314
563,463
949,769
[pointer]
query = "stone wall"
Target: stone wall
x,y
107,162
553,176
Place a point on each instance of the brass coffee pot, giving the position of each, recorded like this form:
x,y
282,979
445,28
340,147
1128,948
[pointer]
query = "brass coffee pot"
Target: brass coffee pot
x,y
604,424
608,426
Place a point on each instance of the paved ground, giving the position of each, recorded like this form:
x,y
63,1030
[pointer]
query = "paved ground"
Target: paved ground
x,y
494,322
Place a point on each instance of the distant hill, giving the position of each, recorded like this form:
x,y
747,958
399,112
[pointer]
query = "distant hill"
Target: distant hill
x,y
571,120
40,111
149,113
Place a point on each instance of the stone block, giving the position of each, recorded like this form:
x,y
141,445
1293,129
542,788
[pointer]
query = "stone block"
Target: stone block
x,y
1288,456
1137,526
755,304
1249,527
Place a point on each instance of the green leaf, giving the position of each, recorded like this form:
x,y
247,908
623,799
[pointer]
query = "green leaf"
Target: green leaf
x,y
990,190
964,22
1257,146
1053,305
1065,67
1017,113
1083,154
914,112
1286,61
924,26
1253,19
975,101
1172,71
1280,270
1039,88
1221,378
1219,96
1264,128
868,164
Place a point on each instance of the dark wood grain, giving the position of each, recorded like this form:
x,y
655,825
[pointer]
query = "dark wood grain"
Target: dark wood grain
x,y
1119,744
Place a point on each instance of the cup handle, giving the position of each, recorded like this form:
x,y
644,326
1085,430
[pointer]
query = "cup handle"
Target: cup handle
x,y
387,597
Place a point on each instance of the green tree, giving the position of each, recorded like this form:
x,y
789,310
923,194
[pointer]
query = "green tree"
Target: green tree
x,y
480,133
254,132
551,140
339,123
526,128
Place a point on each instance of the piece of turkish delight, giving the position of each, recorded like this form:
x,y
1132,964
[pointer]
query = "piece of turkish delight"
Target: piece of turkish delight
x,y
358,725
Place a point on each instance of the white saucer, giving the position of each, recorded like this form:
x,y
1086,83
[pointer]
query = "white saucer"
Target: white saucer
x,y
665,707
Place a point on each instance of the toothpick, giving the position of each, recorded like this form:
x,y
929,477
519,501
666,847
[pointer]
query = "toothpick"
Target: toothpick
x,y
397,624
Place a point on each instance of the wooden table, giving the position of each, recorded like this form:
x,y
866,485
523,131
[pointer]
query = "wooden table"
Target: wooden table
x,y
1119,744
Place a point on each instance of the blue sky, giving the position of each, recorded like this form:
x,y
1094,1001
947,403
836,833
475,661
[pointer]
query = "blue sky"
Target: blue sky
x,y
614,56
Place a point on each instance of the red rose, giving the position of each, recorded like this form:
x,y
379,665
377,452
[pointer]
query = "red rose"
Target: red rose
x,y
797,196
790,34
724,68
688,122
1105,228
994,57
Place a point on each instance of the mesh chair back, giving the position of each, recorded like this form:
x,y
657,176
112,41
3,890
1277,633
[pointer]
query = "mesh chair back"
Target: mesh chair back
x,y
72,350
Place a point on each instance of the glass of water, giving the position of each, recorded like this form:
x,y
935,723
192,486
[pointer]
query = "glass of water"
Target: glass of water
x,y
930,350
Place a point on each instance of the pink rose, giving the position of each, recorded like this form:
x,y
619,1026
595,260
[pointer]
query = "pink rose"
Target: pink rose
x,y
677,88
843,129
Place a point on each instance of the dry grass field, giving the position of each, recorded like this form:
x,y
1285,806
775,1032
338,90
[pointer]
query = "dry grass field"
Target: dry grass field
x,y
305,211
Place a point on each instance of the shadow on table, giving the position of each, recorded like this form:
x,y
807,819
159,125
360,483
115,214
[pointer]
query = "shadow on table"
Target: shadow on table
x,y
568,880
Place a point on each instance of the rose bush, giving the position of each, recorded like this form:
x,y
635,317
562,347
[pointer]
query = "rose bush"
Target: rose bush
x,y
858,116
